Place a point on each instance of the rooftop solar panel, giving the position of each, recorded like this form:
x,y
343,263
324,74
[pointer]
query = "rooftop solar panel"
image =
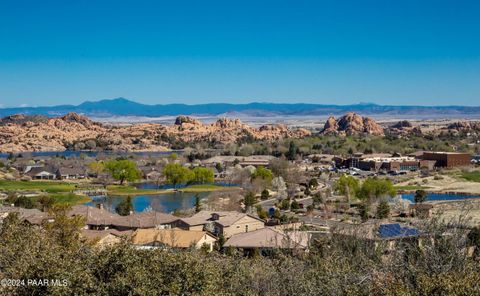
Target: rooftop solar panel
x,y
395,230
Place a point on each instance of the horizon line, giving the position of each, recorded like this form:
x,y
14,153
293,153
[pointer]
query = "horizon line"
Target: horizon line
x,y
26,106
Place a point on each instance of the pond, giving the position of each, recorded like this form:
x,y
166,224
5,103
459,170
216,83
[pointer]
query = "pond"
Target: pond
x,y
440,196
149,185
165,203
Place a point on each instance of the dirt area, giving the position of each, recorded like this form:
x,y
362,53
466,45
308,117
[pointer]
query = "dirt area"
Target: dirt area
x,y
464,212
444,184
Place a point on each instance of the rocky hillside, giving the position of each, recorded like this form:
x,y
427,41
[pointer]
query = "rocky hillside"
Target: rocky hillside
x,y
464,126
74,131
352,124
404,128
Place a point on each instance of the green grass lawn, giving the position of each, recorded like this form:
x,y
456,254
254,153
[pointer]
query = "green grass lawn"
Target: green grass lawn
x,y
471,176
70,198
47,186
130,190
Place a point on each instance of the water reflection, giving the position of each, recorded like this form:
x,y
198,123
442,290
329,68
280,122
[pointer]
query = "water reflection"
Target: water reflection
x,y
165,203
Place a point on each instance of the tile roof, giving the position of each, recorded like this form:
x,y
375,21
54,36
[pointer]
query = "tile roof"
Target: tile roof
x,y
226,218
95,216
99,234
171,237
143,219
269,238
33,216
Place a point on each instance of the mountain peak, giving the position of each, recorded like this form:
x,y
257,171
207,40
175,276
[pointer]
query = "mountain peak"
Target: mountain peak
x,y
116,101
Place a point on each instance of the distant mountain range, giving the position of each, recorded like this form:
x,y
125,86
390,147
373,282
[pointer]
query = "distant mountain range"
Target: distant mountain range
x,y
124,107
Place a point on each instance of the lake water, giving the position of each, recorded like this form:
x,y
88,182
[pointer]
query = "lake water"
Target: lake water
x,y
440,196
71,153
148,185
165,203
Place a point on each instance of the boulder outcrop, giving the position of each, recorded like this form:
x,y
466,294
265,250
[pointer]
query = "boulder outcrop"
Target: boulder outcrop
x,y
74,131
464,126
352,124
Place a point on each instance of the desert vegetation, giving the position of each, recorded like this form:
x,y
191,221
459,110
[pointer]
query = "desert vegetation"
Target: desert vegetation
x,y
336,265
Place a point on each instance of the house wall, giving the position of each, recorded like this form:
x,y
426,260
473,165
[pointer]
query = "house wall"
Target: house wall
x,y
246,224
208,240
196,228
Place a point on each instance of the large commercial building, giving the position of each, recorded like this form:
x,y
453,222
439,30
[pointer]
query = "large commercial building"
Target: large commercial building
x,y
385,162
448,159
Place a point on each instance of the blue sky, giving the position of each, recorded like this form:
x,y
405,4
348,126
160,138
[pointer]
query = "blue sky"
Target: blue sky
x,y
386,52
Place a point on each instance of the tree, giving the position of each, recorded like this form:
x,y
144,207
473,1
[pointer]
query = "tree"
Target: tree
x,y
347,185
280,167
284,204
473,239
276,214
173,156
219,167
307,191
292,151
263,173
25,202
249,199
46,202
317,198
420,196
313,183
278,184
203,175
124,207
262,214
198,205
374,188
265,194
123,170
177,174
220,242
97,167
294,205
383,209
364,210
64,229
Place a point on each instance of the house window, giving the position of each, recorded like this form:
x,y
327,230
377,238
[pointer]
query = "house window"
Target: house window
x,y
246,228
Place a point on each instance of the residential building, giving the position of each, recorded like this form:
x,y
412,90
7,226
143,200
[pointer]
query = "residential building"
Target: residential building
x,y
100,219
377,232
174,238
68,173
269,238
31,216
253,160
221,223
42,173
104,238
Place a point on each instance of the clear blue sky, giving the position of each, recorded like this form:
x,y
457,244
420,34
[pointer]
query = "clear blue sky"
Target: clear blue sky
x,y
386,52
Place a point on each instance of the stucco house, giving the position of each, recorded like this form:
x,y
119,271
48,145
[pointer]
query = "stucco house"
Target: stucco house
x,y
270,238
174,238
226,223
